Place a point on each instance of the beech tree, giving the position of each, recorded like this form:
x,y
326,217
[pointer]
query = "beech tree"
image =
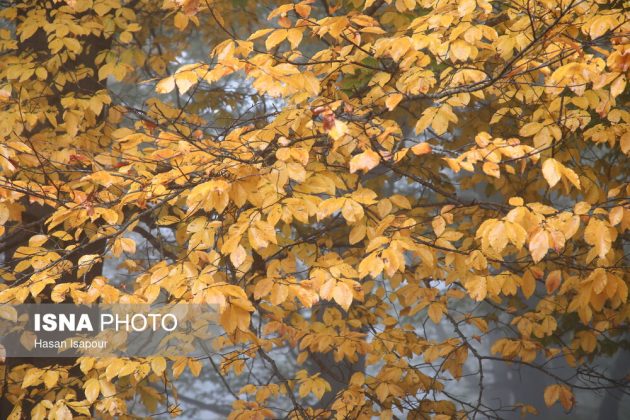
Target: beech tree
x,y
391,194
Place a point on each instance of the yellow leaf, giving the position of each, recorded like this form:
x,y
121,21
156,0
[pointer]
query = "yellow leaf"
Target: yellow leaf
x,y
498,237
32,377
113,369
296,171
618,86
357,233
530,129
552,171
63,412
305,389
598,235
38,412
338,130
601,24
80,407
465,7
195,367
165,85
259,33
352,211
158,365
400,201
238,256
599,279
477,260
128,245
460,50
8,312
295,37
364,161
581,208
382,391
440,121
436,310
615,216
421,149
516,234
372,265
553,281
41,73
528,284
425,120
477,287
552,393
539,245
86,262
263,288
107,388
180,21
393,100
185,80
571,176
302,9
51,377
492,169
92,389
343,295
275,38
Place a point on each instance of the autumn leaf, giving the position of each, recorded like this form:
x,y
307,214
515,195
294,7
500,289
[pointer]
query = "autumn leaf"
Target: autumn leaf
x,y
393,100
597,234
477,287
238,256
275,38
32,377
165,85
553,393
553,281
539,244
342,295
337,129
158,365
436,312
552,171
92,389
528,284
364,161
421,149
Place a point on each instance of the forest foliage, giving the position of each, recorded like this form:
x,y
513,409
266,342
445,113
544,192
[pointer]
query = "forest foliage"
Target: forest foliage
x,y
342,178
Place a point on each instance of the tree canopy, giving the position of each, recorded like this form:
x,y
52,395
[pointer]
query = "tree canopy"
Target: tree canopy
x,y
391,194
